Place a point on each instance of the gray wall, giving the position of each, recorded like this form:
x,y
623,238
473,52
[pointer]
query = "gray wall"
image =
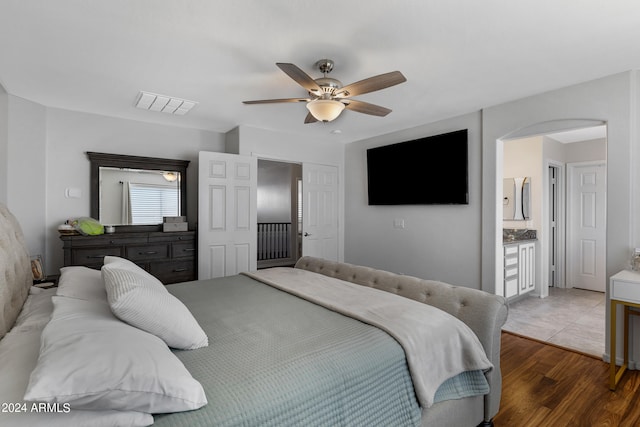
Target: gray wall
x,y
45,154
26,184
439,242
274,191
279,146
611,100
71,134
4,144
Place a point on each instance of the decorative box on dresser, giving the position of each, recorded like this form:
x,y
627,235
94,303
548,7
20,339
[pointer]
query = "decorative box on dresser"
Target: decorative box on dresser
x,y
171,257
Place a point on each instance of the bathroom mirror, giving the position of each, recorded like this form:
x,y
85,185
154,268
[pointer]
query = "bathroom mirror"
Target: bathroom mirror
x,y
516,199
134,192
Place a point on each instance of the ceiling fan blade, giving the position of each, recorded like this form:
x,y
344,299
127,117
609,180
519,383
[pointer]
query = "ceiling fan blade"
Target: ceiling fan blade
x,y
273,101
371,84
310,119
366,108
299,76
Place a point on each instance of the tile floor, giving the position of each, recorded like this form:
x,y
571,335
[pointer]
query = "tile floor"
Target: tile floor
x,y
571,318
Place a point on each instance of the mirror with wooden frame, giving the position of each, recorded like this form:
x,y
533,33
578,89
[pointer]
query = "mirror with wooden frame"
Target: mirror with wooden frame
x,y
134,193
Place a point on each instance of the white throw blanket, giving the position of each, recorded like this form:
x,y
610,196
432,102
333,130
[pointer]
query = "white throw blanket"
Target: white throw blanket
x,y
437,345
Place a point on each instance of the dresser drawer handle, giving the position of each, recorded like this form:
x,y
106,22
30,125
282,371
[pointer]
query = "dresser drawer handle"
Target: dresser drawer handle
x,y
189,249
148,253
95,256
179,270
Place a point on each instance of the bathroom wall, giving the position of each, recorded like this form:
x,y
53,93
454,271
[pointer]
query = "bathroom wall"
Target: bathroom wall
x,y
523,157
274,191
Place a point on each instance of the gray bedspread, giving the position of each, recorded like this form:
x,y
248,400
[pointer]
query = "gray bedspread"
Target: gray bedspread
x,y
275,360
437,345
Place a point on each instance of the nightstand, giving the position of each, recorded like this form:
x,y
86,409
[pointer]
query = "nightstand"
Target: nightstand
x,y
624,289
48,282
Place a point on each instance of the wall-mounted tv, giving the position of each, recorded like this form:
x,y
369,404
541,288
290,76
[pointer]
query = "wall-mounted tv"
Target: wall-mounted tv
x,y
426,171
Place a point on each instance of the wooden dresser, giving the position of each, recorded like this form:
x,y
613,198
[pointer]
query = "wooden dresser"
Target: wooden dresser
x,y
171,257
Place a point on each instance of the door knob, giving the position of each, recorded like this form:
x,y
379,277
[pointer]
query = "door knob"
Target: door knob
x,y
306,234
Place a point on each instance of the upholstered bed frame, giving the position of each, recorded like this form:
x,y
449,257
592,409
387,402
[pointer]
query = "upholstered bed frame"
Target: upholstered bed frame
x,y
484,313
15,270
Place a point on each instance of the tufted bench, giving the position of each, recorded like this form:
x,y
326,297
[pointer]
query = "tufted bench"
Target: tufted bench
x,y
484,313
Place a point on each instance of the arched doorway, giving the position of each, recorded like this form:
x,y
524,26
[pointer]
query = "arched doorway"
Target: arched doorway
x,y
562,209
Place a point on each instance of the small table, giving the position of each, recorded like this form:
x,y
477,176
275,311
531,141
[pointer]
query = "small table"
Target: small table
x,y
624,289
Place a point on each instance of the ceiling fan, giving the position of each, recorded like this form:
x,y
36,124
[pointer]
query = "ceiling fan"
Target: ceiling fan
x,y
328,98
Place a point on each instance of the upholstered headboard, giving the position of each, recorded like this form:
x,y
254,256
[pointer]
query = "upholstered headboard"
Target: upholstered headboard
x,y
15,270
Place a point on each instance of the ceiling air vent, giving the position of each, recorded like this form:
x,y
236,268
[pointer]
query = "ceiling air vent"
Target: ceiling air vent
x,y
166,104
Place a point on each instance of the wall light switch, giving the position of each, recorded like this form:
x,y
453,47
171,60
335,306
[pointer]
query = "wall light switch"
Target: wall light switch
x,y
72,193
398,223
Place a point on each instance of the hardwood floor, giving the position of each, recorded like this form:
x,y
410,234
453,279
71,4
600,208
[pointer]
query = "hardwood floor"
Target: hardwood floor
x,y
543,385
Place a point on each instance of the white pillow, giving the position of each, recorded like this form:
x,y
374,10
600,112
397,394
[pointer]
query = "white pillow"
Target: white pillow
x,y
82,283
18,357
36,311
91,360
148,280
158,312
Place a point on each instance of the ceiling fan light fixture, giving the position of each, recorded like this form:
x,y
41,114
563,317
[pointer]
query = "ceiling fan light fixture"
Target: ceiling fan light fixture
x,y
325,110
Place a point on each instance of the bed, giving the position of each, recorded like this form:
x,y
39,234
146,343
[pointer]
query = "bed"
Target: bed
x,y
324,343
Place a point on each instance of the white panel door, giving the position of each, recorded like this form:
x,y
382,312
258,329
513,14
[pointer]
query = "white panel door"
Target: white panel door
x,y
320,211
227,214
587,226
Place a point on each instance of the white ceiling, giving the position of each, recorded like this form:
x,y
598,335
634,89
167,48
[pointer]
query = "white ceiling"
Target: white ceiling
x,y
580,135
458,56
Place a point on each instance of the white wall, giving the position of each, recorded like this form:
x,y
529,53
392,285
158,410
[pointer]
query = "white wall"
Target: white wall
x,y
439,242
612,100
586,151
26,171
273,145
71,134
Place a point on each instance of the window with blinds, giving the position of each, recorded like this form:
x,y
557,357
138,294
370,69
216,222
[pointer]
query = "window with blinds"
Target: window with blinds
x,y
149,203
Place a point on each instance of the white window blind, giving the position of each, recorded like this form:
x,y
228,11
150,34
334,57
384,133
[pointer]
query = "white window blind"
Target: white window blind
x,y
149,203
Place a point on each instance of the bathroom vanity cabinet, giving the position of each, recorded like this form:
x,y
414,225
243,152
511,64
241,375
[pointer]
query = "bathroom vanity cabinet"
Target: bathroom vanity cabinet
x,y
519,268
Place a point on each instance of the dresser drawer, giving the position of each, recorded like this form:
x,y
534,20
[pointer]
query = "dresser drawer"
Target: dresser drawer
x,y
92,256
171,257
174,236
141,253
510,262
183,250
511,250
105,240
510,272
174,271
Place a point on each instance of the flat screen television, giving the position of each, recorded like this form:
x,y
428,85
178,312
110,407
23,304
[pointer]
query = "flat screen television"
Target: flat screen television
x,y
426,171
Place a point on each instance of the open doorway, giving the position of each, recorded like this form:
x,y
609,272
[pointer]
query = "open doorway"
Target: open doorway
x,y
568,208
279,213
